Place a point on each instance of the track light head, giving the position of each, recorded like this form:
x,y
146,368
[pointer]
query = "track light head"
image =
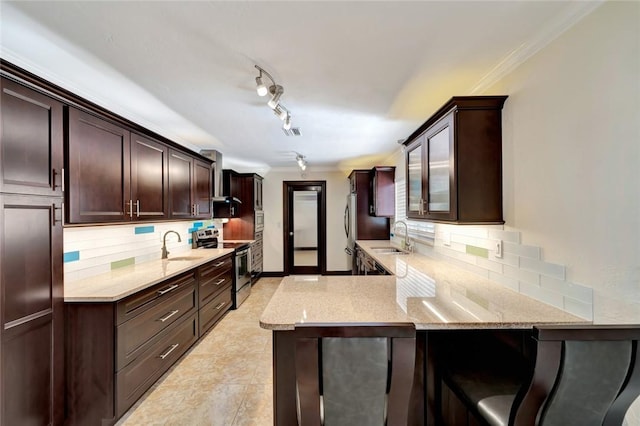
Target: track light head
x,y
276,92
287,122
260,87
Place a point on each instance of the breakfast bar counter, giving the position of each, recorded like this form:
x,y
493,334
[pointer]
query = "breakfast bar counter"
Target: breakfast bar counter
x,y
440,299
427,292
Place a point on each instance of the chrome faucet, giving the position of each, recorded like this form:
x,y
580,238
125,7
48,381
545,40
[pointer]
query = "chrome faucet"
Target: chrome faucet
x,y
164,243
406,244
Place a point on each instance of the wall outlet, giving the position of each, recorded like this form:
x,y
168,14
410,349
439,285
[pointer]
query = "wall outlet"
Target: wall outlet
x,y
446,238
499,249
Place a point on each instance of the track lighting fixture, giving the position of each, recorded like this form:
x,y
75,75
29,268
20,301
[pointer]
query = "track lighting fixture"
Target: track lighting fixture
x,y
302,163
276,92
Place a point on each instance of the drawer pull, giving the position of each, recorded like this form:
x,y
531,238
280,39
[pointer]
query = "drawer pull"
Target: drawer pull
x,y
219,264
172,313
220,281
168,289
171,349
220,306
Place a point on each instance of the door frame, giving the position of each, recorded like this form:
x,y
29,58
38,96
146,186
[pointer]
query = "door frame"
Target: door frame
x,y
288,187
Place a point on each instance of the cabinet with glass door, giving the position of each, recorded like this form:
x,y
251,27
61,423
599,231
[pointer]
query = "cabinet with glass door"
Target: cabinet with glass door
x,y
454,163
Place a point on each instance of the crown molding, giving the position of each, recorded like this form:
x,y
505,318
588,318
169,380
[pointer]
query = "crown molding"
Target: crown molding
x,y
575,12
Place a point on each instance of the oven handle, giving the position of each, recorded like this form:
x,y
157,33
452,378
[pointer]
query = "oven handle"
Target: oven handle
x,y
242,252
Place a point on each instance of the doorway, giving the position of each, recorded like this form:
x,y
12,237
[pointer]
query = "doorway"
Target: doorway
x,y
305,225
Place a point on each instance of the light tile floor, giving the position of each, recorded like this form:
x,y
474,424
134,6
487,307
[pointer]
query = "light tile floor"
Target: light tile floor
x,y
225,379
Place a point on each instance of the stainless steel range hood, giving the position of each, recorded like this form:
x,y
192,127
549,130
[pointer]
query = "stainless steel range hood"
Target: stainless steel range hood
x,y
218,195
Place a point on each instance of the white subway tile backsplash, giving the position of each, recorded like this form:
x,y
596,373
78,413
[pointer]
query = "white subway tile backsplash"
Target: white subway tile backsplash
x,y
521,250
92,250
545,268
548,296
506,236
490,265
522,275
579,308
512,283
521,268
572,290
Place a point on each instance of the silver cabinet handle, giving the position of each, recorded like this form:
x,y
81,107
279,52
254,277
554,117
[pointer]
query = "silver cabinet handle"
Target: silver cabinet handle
x,y
169,315
168,289
220,305
137,208
218,264
130,203
171,349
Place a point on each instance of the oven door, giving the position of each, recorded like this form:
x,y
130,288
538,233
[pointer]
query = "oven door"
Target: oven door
x,y
243,276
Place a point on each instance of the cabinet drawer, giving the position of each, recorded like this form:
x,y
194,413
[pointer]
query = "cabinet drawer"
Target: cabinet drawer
x,y
209,289
137,377
213,311
211,270
134,336
146,299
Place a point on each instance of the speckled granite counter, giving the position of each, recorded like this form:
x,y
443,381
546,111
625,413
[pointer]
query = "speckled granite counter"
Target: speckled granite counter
x,y
430,293
122,282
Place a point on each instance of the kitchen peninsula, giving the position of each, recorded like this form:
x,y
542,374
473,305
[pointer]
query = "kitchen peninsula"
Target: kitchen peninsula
x,y
430,293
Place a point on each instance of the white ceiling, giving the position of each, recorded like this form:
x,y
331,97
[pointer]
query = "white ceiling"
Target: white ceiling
x,y
357,75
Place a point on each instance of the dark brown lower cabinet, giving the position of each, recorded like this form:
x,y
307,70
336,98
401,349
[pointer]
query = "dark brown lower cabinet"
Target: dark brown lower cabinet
x,y
117,350
31,311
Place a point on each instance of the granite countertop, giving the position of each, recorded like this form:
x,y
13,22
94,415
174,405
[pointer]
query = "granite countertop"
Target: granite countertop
x,y
120,283
431,293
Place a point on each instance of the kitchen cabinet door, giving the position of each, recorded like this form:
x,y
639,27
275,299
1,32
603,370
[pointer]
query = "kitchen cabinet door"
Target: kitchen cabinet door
x,y
31,311
31,141
181,203
415,179
257,193
441,197
383,194
149,192
454,163
202,188
99,170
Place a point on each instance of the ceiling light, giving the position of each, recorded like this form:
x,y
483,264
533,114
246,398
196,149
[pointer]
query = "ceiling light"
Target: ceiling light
x,y
281,112
276,91
302,163
261,88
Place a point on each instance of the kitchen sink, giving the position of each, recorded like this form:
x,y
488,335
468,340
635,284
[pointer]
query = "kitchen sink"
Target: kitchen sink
x,y
388,250
184,258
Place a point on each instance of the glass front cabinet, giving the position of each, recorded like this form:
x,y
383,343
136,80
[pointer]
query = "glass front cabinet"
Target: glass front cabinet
x,y
454,163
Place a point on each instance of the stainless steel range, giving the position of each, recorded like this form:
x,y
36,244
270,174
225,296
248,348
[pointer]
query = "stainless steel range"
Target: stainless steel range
x,y
242,282
208,238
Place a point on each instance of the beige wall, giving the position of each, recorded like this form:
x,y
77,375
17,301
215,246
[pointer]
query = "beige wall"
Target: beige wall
x,y
571,144
336,196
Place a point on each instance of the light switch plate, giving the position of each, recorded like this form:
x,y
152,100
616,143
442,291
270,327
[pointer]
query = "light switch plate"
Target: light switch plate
x,y
499,249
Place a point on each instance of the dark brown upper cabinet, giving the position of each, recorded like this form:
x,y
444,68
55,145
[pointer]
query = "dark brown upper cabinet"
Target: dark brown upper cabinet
x,y
149,168
202,188
99,170
247,187
189,187
454,163
383,193
31,142
367,226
